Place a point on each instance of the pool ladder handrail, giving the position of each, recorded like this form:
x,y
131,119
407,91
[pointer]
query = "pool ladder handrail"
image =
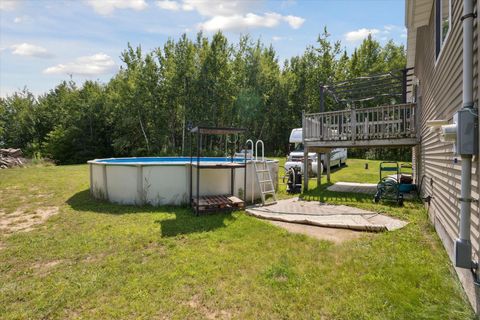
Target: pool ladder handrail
x,y
256,150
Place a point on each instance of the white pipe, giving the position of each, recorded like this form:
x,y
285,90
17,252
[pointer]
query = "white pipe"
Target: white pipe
x,y
468,54
463,245
466,175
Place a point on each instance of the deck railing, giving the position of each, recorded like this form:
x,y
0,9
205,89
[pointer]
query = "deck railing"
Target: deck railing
x,y
378,123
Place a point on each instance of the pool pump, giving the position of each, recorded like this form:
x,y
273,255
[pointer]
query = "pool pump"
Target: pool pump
x,y
294,183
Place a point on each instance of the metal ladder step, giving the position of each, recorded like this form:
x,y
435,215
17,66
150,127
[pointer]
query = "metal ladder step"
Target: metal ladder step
x,y
261,170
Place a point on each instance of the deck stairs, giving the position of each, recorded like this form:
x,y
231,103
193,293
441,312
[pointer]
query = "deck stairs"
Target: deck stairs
x,y
263,176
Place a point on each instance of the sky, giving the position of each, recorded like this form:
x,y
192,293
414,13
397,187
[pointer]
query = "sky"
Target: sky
x,y
43,42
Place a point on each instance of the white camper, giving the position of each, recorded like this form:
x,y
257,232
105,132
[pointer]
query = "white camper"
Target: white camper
x,y
338,156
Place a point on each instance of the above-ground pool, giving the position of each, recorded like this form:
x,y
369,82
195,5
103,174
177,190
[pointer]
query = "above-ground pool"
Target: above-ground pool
x,y
166,180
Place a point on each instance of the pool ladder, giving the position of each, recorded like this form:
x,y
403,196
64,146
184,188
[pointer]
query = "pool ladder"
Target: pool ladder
x,y
263,175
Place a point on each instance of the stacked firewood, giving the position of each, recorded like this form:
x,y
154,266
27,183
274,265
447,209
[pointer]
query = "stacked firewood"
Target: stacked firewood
x,y
11,158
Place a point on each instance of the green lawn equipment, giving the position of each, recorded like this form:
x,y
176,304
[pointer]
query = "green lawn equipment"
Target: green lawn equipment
x,y
389,186
406,179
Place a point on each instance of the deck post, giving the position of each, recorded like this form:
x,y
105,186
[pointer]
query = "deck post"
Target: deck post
x,y
327,159
322,108
353,124
319,169
305,153
305,168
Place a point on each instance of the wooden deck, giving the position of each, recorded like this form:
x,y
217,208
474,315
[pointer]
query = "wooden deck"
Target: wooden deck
x,y
393,125
217,203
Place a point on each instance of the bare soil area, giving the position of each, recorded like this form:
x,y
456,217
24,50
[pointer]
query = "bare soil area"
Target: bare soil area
x,y
335,235
22,221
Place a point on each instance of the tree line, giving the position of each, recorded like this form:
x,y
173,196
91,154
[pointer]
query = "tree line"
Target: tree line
x,y
149,104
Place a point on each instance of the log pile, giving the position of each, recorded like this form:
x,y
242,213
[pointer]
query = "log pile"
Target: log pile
x,y
10,158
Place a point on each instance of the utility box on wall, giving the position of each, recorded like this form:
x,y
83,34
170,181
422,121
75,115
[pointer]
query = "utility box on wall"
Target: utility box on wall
x,y
467,132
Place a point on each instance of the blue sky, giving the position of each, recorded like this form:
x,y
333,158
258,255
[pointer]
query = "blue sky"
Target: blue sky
x,y
45,42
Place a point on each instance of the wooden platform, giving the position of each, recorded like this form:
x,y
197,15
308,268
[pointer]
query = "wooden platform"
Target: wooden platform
x,y
217,203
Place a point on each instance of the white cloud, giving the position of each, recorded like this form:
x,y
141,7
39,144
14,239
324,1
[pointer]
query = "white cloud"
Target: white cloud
x,y
231,15
249,20
239,22
169,5
396,30
21,19
360,34
96,64
280,38
187,7
389,27
211,8
30,50
294,21
106,7
388,31
8,5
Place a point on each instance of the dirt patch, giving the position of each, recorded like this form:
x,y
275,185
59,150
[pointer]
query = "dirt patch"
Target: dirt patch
x,y
23,221
196,304
335,235
42,268
94,258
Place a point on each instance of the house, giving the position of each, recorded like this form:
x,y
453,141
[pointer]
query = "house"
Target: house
x,y
446,77
434,111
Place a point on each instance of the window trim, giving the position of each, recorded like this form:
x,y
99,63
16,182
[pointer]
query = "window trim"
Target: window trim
x,y
439,44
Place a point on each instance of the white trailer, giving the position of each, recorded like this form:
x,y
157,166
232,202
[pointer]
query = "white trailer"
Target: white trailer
x,y
338,156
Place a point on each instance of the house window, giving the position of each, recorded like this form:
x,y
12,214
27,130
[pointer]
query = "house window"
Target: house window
x,y
442,23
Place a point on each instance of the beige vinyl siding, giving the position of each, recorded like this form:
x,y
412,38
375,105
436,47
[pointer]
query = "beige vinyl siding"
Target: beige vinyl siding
x,y
441,97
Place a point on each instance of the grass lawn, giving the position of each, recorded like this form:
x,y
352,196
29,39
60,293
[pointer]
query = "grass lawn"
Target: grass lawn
x,y
97,260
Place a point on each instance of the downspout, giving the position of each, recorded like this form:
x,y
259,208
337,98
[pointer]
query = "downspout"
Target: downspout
x,y
463,245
